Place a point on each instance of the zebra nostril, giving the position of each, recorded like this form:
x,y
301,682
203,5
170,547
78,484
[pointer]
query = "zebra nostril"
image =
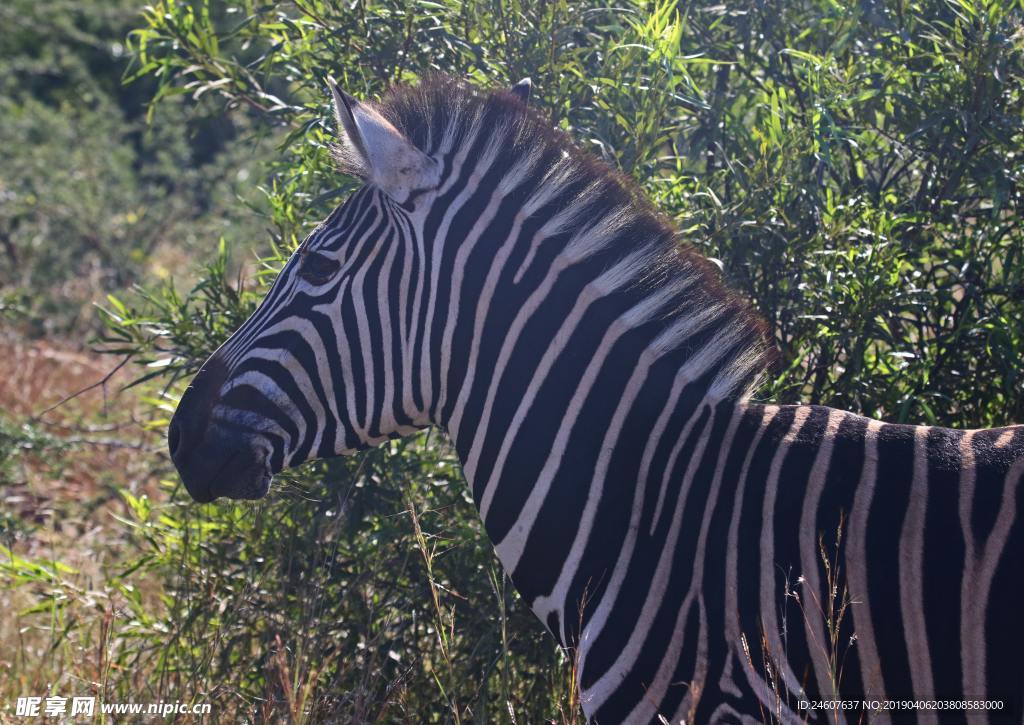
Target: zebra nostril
x,y
174,436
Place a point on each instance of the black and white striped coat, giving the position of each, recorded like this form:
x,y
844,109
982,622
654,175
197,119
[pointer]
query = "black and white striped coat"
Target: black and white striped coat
x,y
704,557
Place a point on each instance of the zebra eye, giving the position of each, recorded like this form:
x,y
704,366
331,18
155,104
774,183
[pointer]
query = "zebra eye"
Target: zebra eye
x,y
317,268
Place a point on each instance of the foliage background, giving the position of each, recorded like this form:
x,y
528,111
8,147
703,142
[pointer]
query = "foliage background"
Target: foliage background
x,y
855,168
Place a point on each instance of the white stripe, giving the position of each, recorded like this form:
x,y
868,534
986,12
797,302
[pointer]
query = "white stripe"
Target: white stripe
x,y
911,574
386,314
980,568
366,349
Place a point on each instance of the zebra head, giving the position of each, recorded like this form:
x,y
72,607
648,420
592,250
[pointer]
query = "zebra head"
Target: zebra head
x,y
332,361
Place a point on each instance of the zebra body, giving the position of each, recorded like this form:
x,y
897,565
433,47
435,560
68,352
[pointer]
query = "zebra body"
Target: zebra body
x,y
703,558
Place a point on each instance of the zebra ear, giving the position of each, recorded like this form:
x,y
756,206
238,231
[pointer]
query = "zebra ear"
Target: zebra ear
x,y
521,90
377,152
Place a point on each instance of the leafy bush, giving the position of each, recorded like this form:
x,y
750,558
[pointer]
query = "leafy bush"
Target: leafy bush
x,y
855,168
91,199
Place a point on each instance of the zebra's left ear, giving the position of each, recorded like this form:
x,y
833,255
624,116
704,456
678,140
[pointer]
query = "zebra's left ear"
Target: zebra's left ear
x,y
374,150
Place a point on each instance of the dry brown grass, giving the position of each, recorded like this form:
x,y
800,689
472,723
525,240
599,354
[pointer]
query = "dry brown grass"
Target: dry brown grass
x,y
59,502
104,423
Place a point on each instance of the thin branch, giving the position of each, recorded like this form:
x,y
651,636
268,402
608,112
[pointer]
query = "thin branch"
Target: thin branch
x,y
99,383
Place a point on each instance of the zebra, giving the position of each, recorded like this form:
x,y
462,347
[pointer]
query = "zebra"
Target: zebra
x,y
704,557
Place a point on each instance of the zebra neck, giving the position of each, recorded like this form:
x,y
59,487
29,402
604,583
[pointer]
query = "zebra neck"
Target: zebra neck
x,y
561,447
540,278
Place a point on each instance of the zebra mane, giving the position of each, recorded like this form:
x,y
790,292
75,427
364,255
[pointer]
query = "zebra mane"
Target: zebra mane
x,y
605,210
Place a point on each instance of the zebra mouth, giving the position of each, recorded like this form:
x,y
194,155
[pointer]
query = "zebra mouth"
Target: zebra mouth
x,y
243,474
255,489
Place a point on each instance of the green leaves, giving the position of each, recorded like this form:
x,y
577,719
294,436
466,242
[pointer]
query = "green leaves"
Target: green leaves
x,y
856,169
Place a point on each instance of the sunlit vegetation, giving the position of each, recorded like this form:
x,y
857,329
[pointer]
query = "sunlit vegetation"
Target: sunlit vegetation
x,y
854,168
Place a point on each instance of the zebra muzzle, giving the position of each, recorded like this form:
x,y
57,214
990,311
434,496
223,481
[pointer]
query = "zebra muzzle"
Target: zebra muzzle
x,y
212,460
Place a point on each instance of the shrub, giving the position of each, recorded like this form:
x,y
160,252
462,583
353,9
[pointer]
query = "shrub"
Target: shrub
x,y
91,198
854,168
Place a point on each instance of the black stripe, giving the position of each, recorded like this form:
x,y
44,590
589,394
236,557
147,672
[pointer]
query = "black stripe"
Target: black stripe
x,y
944,557
885,523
